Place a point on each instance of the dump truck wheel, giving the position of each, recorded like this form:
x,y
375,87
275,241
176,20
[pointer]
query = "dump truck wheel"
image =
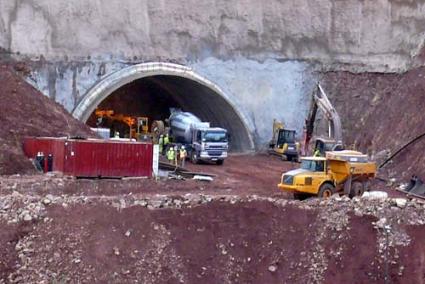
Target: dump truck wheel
x,y
357,189
326,190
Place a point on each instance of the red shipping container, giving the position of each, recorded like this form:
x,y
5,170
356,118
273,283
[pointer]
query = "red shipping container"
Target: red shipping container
x,y
94,157
49,146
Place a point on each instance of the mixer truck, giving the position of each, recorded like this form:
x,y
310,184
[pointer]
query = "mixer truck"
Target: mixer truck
x,y
203,142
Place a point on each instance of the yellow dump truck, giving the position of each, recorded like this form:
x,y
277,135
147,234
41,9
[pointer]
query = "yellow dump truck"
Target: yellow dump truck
x,y
340,171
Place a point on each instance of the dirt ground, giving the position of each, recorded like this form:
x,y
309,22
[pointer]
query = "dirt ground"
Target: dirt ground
x,y
239,228
181,238
241,175
24,111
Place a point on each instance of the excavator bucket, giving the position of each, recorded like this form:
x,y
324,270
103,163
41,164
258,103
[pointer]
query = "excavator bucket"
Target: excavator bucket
x,y
416,187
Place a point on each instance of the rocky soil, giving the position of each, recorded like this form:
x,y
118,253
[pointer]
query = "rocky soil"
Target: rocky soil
x,y
24,111
197,237
236,229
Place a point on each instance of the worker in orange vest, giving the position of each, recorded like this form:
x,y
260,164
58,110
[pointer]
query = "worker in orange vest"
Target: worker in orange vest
x,y
183,155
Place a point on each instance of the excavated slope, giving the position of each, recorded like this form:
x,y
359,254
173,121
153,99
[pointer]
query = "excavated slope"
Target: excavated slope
x,y
24,111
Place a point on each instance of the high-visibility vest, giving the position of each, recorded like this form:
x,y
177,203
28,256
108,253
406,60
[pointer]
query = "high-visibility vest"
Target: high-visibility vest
x,y
161,141
171,154
316,153
166,140
183,154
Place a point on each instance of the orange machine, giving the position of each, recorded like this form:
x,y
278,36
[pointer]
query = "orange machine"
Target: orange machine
x,y
138,126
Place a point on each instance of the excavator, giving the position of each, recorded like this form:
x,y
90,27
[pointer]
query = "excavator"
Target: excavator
x,y
138,126
283,142
334,140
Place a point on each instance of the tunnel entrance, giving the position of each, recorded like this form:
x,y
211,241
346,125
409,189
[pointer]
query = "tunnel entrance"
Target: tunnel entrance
x,y
152,94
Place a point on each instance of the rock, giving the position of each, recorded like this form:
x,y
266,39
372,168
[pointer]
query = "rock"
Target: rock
x,y
400,202
358,213
272,268
46,201
128,233
381,223
27,218
345,198
375,195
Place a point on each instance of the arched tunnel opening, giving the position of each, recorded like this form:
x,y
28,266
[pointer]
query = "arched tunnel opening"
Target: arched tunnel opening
x,y
154,96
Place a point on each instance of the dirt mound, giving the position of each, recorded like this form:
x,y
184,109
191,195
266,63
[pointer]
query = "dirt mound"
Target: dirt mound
x,y
382,112
211,239
24,111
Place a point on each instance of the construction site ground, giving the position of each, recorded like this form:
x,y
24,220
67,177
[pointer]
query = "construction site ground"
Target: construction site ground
x,y
239,228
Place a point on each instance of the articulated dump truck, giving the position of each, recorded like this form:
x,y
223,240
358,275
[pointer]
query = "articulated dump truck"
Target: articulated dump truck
x,y
347,172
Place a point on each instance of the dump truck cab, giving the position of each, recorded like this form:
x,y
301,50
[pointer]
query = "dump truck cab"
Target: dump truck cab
x,y
305,180
339,171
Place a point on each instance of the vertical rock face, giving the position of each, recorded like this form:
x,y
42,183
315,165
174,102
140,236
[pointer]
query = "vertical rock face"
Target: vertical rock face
x,y
261,53
378,35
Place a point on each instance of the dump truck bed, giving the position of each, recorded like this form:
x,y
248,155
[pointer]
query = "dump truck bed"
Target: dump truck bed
x,y
345,163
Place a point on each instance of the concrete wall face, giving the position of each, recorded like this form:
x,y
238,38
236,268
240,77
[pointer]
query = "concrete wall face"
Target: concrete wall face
x,y
261,53
260,90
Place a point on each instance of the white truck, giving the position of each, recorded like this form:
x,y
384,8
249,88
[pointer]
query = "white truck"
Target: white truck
x,y
203,142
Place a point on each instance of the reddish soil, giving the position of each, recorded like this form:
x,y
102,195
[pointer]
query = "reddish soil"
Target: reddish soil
x,y
24,111
240,175
219,243
8,239
382,112
414,255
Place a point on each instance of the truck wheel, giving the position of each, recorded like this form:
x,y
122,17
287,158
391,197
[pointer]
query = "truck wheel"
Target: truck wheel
x,y
357,189
220,162
194,158
326,190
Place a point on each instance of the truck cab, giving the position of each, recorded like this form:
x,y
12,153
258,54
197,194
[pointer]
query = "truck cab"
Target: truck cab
x,y
305,180
209,144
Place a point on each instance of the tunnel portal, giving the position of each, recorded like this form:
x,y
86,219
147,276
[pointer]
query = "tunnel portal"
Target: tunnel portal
x,y
153,96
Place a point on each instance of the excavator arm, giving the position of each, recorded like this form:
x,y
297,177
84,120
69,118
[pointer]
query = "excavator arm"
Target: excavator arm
x,y
321,101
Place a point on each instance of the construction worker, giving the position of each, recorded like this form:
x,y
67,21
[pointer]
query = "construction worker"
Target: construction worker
x,y
171,155
183,155
316,153
117,134
161,144
166,140
176,155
